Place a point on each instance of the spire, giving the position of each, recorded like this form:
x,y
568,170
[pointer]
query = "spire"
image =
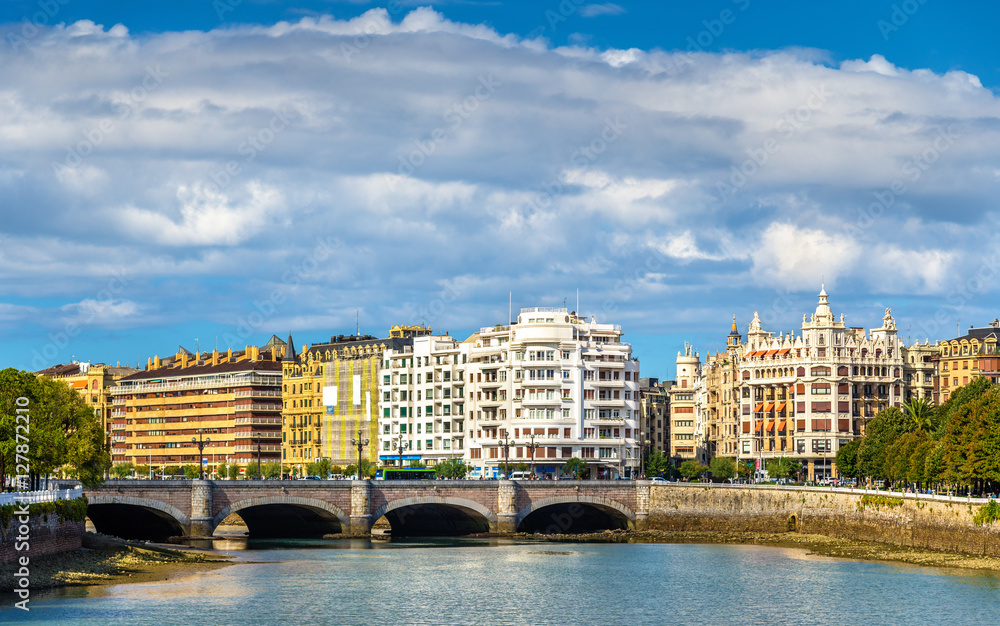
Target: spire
x,y
289,354
823,307
733,330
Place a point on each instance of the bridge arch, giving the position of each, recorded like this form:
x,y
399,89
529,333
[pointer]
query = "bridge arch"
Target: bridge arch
x,y
436,516
130,517
287,516
574,514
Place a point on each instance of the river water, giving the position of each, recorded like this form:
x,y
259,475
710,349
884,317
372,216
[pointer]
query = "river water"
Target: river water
x,y
497,581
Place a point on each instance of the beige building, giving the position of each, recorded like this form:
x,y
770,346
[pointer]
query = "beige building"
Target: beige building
x,y
654,414
805,396
964,359
918,371
687,429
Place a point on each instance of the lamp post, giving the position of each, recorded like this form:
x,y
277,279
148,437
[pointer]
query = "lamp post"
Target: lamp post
x,y
360,443
198,441
259,475
506,443
401,446
531,445
642,458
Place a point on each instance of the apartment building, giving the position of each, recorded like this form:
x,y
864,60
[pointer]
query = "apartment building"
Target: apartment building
x,y
918,371
332,396
805,396
687,398
654,414
552,386
963,359
422,402
231,398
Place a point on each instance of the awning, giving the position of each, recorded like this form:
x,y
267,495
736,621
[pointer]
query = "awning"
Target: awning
x,y
768,407
770,352
784,351
781,425
78,384
759,426
781,406
770,426
757,409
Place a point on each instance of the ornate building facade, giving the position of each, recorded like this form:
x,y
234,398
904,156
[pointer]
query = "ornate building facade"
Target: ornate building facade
x,y
963,359
805,396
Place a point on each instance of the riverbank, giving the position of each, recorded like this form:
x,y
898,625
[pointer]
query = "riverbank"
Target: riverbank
x,y
110,561
815,544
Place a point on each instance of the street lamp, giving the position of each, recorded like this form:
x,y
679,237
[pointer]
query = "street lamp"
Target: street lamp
x,y
642,458
400,445
360,443
198,441
531,445
506,443
259,475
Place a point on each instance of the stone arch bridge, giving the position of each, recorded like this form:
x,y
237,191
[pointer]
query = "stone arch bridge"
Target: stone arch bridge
x,y
140,509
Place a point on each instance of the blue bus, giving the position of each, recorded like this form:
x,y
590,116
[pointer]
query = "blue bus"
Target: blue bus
x,y
407,473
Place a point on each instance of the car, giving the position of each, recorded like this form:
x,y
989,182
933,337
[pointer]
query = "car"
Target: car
x,y
310,478
657,479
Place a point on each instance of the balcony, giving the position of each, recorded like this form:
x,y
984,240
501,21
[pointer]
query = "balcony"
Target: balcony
x,y
257,420
257,407
604,382
257,394
208,383
254,449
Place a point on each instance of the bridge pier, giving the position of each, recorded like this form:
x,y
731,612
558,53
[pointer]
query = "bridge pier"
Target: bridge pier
x,y
201,509
642,504
506,509
361,521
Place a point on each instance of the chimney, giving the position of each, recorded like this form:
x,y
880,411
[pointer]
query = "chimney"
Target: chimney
x,y
229,355
156,362
184,359
197,357
149,364
215,357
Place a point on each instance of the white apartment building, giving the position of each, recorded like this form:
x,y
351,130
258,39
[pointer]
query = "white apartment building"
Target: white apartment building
x,y
805,396
421,406
550,387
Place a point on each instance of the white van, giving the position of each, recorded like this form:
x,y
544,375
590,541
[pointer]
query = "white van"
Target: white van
x,y
520,476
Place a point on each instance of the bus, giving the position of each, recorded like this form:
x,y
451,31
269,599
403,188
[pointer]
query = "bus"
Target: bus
x,y
407,473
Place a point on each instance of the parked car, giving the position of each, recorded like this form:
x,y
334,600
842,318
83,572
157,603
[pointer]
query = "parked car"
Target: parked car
x,y
658,479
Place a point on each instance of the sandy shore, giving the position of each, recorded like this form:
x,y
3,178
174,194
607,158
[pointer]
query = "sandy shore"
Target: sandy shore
x,y
814,544
108,561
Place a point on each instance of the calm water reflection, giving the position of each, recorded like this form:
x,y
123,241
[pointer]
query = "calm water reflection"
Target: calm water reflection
x,y
458,581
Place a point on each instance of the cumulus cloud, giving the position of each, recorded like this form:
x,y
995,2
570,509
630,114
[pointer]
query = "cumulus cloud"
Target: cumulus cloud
x,y
210,163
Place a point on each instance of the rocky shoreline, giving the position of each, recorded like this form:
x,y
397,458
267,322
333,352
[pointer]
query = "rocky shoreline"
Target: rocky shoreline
x,y
820,545
109,561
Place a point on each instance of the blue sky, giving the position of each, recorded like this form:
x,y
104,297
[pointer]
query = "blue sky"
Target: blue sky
x,y
222,171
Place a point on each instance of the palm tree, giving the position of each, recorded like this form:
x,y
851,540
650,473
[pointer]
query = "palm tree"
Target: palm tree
x,y
922,411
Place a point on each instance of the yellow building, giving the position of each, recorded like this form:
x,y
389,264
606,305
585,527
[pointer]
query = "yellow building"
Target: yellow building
x,y
93,383
330,395
966,358
231,398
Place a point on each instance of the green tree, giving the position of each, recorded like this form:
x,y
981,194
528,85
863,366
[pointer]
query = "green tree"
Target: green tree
x,y
122,470
252,473
320,468
692,469
222,471
191,471
657,464
847,459
722,468
883,431
921,412
451,468
234,471
271,470
576,468
782,467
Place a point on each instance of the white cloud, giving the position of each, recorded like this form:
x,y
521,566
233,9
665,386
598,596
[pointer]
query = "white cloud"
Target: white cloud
x,y
604,8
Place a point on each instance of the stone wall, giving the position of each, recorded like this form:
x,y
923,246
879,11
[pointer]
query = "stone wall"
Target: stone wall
x,y
48,535
918,523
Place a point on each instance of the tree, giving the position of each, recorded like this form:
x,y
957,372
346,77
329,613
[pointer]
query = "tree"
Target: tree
x,y
251,473
847,459
234,471
657,464
222,471
745,469
191,471
722,468
782,467
320,468
271,470
451,468
122,470
883,431
692,469
921,412
576,468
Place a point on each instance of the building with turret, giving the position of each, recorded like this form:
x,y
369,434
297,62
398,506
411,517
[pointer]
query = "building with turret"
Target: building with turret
x,y
803,396
687,425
